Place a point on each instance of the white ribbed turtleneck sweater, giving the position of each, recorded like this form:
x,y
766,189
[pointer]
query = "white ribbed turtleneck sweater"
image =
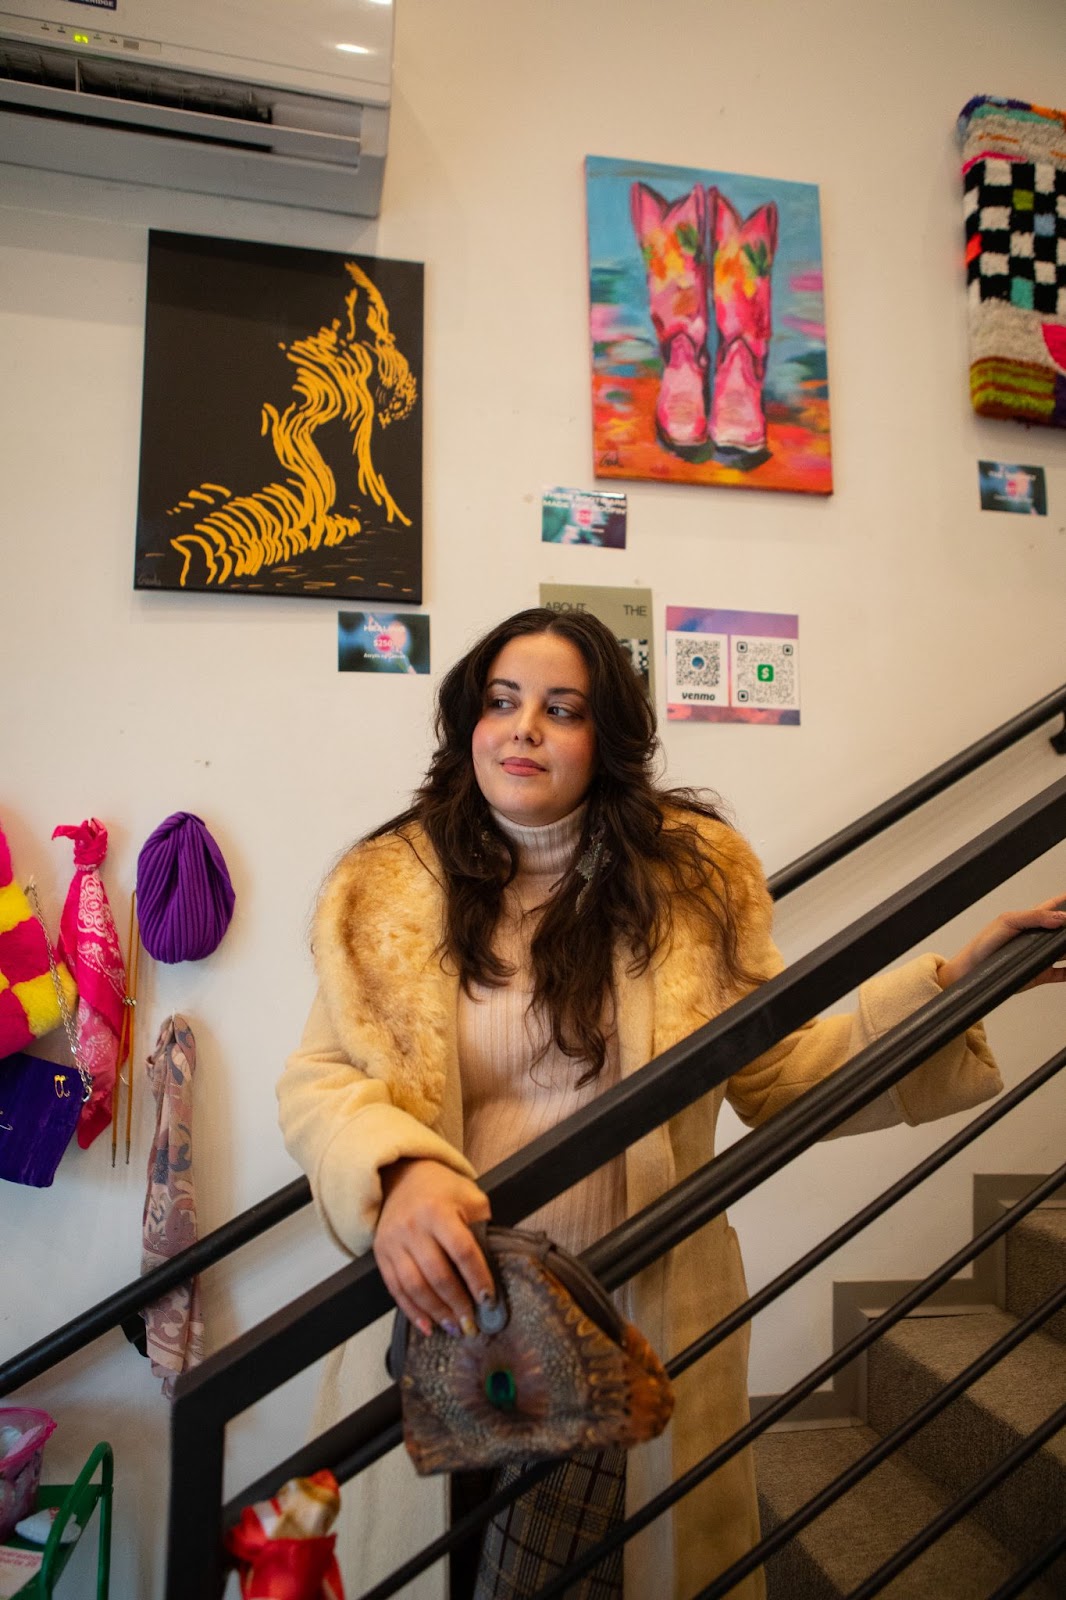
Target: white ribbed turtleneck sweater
x,y
507,1099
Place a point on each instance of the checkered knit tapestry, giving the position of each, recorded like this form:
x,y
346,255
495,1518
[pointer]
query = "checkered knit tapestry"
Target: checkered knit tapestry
x,y
1014,178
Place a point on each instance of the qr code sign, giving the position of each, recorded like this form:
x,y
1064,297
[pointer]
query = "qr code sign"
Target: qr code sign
x,y
765,672
697,668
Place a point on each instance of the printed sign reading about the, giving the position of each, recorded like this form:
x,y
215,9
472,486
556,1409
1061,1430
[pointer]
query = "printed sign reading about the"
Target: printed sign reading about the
x,y
627,612
732,666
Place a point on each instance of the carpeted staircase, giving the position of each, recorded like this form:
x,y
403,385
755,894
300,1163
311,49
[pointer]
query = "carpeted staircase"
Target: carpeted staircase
x,y
838,1550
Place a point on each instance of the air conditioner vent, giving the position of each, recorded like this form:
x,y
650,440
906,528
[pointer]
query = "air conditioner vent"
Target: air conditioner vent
x,y
25,63
250,99
119,80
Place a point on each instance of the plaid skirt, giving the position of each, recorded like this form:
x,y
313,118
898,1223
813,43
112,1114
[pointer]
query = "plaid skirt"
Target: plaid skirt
x,y
530,1541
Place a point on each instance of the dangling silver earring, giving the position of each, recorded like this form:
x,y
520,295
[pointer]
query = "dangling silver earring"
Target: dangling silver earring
x,y
592,860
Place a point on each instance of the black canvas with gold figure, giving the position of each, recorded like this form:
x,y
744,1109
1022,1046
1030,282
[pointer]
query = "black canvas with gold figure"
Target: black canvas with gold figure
x,y
281,429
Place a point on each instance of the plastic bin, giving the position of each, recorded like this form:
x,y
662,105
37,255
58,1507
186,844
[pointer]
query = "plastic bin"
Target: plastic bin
x,y
20,1467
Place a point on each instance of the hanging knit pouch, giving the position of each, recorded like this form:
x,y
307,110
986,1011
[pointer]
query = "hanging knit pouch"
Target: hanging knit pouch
x,y
184,895
1014,202
29,995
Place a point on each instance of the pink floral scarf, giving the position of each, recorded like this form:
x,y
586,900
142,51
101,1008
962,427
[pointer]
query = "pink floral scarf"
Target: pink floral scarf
x,y
88,943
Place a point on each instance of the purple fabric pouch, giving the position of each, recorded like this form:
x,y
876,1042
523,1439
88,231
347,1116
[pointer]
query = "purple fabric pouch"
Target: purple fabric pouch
x,y
184,895
39,1106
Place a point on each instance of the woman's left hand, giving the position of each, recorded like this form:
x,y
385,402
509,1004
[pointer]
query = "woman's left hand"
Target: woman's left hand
x,y
999,932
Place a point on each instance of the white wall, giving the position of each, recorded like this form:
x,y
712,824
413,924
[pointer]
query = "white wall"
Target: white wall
x,y
924,621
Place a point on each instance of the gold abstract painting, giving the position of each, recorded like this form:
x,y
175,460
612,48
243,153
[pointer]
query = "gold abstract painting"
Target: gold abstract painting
x,y
281,428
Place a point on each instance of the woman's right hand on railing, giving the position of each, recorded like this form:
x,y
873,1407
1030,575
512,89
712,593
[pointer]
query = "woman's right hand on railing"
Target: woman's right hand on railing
x,y
428,1257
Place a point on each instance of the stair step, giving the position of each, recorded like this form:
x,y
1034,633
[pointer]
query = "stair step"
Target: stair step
x,y
833,1554
1036,1264
920,1355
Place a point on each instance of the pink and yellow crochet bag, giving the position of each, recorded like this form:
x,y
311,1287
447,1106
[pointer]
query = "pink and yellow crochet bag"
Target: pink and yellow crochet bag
x,y
29,1004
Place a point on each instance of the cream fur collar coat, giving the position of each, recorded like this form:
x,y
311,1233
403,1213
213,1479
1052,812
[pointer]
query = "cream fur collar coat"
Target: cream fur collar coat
x,y
376,1078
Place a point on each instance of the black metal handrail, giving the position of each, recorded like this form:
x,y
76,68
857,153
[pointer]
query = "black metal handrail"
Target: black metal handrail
x,y
713,1187
869,1213
252,1366
710,1463
141,1292
134,1296
917,794
344,1447
680,1362
1037,1563
307,1328
960,1507
784,1403
886,1446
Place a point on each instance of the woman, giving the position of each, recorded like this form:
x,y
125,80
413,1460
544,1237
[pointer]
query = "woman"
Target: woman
x,y
543,921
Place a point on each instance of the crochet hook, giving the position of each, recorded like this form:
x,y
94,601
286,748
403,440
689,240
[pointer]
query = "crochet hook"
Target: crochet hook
x,y
136,933
124,1051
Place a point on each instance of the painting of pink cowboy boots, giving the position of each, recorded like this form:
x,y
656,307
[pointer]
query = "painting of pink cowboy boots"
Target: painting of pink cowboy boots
x,y
707,328
743,255
672,239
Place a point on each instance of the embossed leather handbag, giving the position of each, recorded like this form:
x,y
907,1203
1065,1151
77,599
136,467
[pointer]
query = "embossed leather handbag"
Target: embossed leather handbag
x,y
553,1369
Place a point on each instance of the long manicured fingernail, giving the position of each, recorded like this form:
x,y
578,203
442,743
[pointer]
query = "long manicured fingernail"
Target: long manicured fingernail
x,y
469,1326
451,1328
424,1326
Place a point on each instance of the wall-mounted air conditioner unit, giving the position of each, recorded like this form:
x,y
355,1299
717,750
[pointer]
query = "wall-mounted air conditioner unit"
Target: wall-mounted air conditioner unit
x,y
282,100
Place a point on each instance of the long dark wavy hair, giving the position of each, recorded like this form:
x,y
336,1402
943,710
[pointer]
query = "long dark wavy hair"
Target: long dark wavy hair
x,y
645,868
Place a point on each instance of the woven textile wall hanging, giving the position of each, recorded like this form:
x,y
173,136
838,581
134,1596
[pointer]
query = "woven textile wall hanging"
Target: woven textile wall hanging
x,y
1014,183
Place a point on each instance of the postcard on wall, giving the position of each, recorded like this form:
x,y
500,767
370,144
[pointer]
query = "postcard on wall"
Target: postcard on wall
x,y
627,612
707,324
281,428
584,516
382,641
732,666
1007,487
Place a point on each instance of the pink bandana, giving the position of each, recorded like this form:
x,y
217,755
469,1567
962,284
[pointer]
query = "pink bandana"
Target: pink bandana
x,y
88,943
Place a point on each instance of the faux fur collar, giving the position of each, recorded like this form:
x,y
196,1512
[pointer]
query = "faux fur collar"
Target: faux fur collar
x,y
393,1004
376,940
